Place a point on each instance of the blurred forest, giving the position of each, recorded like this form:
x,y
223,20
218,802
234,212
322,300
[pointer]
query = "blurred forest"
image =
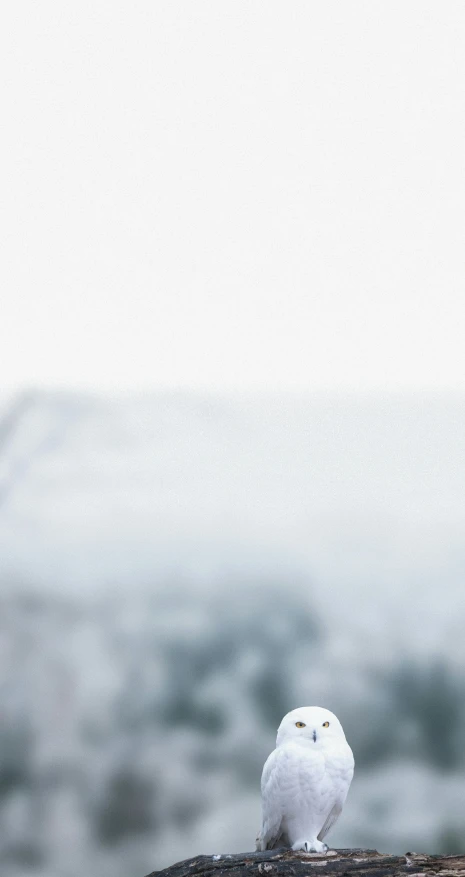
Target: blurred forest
x,y
146,659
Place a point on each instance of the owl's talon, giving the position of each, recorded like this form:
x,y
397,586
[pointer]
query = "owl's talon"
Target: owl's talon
x,y
310,846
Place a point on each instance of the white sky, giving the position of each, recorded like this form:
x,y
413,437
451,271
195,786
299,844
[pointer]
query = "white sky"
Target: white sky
x,y
233,194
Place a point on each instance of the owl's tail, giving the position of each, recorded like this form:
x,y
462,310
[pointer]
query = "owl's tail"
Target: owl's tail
x,y
271,843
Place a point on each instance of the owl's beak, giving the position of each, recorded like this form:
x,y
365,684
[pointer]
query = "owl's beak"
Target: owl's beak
x,y
314,736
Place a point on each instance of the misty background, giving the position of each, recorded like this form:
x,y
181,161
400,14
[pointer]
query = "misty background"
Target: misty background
x,y
232,421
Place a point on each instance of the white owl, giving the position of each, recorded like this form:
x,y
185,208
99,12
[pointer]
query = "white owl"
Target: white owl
x,y
305,781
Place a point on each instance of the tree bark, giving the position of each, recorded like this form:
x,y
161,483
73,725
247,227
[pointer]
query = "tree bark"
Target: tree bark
x,y
336,863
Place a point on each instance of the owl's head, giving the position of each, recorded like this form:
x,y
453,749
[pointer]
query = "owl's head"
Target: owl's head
x,y
311,725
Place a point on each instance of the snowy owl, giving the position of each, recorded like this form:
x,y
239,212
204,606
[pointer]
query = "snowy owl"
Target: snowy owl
x,y
305,781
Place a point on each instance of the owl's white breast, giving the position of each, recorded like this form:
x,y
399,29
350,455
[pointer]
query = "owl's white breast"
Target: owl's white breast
x,y
310,779
307,771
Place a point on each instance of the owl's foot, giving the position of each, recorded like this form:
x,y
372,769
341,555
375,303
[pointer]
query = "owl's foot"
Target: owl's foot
x,y
310,846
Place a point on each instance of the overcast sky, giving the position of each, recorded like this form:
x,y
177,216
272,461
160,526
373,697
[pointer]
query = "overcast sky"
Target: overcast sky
x,y
233,194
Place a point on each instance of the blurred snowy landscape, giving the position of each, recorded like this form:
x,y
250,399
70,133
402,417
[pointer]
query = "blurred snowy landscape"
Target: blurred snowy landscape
x,y
179,570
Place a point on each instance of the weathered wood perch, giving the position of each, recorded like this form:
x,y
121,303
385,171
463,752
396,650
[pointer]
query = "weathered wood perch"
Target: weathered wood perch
x,y
336,863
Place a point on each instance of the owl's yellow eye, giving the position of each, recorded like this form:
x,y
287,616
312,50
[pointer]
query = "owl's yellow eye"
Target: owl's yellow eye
x,y
325,724
300,724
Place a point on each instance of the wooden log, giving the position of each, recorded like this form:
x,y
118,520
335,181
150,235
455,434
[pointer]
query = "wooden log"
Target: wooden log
x,y
336,863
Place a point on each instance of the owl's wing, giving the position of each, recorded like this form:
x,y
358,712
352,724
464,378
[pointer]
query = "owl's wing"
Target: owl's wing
x,y
331,818
271,830
345,772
